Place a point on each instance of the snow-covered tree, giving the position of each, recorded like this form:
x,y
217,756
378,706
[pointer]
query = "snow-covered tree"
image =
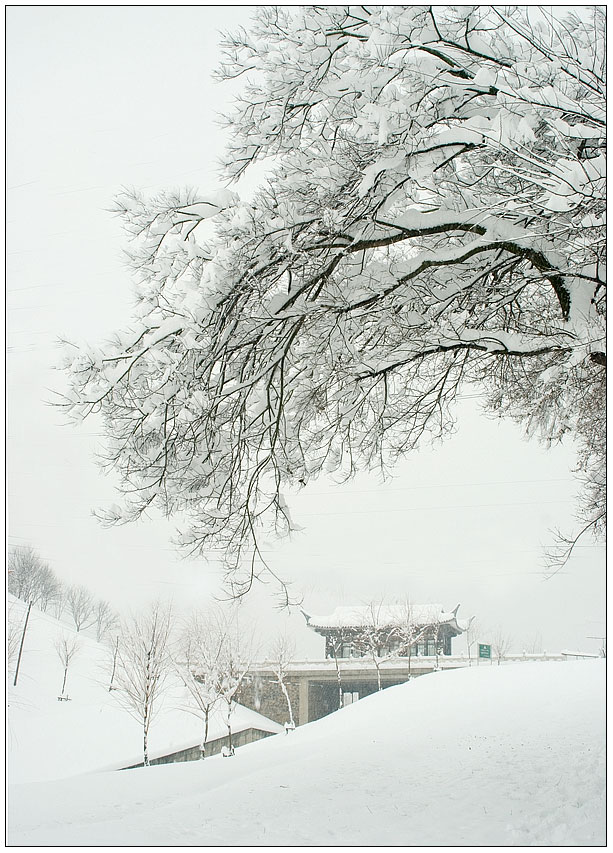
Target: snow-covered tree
x,y
376,639
335,646
198,664
232,664
142,665
432,216
436,631
282,653
408,631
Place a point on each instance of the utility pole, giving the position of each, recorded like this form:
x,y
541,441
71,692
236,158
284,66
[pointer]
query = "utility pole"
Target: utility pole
x,y
23,636
114,662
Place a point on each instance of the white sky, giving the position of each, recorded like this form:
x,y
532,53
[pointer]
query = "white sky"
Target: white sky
x,y
103,97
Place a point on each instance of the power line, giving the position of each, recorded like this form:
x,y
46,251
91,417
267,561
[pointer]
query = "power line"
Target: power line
x,y
384,488
435,507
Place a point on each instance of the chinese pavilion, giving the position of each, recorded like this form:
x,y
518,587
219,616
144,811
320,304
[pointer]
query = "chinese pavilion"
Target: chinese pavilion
x,y
396,629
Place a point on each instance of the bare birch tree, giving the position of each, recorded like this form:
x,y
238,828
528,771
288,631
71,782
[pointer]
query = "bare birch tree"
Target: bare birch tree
x,y
282,653
377,639
67,647
408,632
234,660
143,664
198,663
80,604
58,605
49,589
30,578
335,645
501,644
105,619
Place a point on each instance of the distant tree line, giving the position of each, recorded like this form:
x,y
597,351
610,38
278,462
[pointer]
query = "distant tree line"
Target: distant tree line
x,y
31,579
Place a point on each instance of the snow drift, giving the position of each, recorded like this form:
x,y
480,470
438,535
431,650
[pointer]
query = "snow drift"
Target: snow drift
x,y
510,755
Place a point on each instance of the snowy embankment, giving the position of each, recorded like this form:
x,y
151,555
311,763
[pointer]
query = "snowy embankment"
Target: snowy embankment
x,y
47,739
510,755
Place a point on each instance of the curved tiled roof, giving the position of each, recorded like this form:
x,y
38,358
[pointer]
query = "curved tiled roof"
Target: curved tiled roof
x,y
386,615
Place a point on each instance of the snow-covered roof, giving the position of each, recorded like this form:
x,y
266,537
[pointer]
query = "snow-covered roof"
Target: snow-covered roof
x,y
385,615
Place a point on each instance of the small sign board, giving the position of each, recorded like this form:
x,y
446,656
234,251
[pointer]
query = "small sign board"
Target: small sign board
x,y
485,651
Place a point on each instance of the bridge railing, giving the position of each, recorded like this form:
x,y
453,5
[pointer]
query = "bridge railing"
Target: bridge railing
x,y
418,662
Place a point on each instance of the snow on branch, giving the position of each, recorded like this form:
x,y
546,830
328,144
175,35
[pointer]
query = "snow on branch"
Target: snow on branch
x,y
433,215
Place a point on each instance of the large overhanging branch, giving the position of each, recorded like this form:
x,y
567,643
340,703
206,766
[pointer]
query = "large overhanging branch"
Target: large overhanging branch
x,y
433,216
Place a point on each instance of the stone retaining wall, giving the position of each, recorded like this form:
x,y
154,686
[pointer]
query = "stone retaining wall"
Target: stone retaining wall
x,y
213,747
262,693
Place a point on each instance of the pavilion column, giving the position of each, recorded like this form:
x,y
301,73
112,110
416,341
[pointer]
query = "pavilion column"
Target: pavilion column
x,y
303,701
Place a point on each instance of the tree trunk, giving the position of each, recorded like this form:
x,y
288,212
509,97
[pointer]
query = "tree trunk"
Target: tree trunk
x,y
65,675
206,731
147,710
287,699
145,746
229,727
338,678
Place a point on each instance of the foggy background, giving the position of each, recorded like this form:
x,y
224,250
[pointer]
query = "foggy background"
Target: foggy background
x,y
99,98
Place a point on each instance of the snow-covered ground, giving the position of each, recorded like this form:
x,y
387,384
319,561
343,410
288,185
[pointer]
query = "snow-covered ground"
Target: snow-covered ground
x,y
510,755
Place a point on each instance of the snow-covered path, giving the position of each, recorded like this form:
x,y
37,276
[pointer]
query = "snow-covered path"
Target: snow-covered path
x,y
510,755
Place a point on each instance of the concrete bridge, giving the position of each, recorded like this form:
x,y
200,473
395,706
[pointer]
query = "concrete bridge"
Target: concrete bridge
x,y
317,688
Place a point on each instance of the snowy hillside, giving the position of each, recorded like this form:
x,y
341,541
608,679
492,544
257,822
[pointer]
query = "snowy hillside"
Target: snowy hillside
x,y
48,739
510,755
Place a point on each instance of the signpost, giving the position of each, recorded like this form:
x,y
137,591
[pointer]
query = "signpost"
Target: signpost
x,y
485,651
